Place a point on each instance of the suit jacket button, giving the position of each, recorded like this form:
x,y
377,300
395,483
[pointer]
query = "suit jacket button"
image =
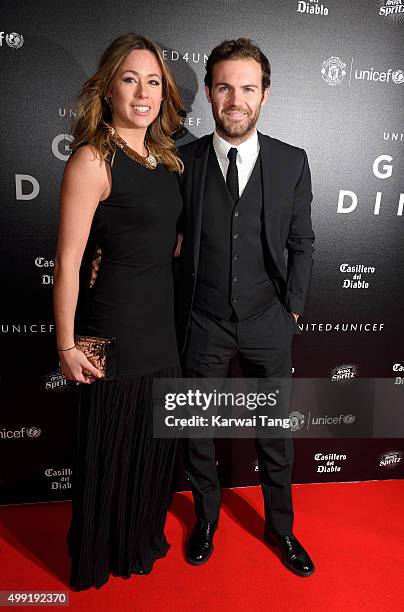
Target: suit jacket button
x,y
234,299
193,275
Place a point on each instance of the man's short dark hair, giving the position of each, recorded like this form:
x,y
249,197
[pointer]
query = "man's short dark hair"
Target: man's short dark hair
x,y
241,48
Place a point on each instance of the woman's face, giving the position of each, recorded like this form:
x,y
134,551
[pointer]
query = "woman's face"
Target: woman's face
x,y
137,92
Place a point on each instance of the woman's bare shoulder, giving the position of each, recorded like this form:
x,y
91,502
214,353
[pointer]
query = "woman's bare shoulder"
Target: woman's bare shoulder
x,y
86,172
87,155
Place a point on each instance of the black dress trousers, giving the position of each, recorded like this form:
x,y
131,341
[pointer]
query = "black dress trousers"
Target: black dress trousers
x,y
263,343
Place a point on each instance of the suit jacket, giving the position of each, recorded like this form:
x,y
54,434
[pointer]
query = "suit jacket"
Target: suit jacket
x,y
287,196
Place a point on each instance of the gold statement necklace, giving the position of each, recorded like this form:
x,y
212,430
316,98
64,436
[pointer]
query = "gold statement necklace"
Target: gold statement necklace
x,y
149,162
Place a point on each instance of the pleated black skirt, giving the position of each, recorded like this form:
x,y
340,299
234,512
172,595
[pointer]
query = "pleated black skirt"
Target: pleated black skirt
x,y
121,482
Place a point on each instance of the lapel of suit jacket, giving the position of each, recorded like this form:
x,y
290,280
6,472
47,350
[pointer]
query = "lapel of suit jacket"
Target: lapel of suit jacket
x,y
198,183
268,181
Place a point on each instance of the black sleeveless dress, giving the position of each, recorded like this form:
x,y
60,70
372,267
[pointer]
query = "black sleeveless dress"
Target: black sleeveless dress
x,y
122,475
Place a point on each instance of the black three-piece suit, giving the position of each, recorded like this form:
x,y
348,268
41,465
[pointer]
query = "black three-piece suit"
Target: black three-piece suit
x,y
236,293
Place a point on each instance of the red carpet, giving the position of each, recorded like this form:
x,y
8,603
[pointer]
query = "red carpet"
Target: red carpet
x,y
353,531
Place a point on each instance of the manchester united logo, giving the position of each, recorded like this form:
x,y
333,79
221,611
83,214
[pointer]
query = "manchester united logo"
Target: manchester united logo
x,y
296,420
333,70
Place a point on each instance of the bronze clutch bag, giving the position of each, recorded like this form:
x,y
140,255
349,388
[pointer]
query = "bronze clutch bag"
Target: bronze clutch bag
x,y
101,352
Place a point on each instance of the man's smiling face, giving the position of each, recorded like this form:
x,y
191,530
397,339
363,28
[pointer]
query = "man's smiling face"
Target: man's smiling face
x,y
236,97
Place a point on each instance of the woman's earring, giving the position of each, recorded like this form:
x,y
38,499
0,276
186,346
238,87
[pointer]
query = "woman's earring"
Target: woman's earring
x,y
108,101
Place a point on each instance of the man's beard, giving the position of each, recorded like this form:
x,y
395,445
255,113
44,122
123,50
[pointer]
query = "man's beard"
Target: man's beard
x,y
235,130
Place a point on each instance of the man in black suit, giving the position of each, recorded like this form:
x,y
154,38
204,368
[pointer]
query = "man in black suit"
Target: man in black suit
x,y
247,198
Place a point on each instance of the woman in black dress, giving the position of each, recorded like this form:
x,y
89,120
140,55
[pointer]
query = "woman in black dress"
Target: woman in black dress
x,y
120,192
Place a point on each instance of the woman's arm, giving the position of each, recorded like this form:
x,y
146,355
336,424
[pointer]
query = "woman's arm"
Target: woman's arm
x,y
177,251
85,183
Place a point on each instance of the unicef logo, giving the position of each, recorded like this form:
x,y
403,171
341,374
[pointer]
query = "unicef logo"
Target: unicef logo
x,y
296,420
14,40
349,419
398,77
33,432
333,71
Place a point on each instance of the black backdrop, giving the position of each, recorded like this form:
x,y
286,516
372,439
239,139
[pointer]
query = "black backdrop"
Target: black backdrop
x,y
336,91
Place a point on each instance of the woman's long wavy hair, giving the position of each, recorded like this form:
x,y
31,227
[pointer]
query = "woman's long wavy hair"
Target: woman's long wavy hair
x,y
94,112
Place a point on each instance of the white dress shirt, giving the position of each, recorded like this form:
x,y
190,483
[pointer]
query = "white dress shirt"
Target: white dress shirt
x,y
247,154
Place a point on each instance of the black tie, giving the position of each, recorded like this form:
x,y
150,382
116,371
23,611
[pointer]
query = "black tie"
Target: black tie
x,y
232,175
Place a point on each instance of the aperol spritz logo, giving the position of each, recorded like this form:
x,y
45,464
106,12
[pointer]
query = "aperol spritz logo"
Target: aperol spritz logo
x,y
390,459
344,372
56,382
391,10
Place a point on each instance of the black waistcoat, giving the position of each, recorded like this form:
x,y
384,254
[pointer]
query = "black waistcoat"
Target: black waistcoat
x,y
232,278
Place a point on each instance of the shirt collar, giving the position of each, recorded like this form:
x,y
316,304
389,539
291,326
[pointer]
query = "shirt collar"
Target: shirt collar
x,y
248,148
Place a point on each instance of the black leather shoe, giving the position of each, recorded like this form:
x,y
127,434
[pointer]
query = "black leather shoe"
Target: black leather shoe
x,y
200,544
293,555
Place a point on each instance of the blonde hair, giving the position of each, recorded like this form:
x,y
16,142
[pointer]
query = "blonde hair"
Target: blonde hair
x,y
91,125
